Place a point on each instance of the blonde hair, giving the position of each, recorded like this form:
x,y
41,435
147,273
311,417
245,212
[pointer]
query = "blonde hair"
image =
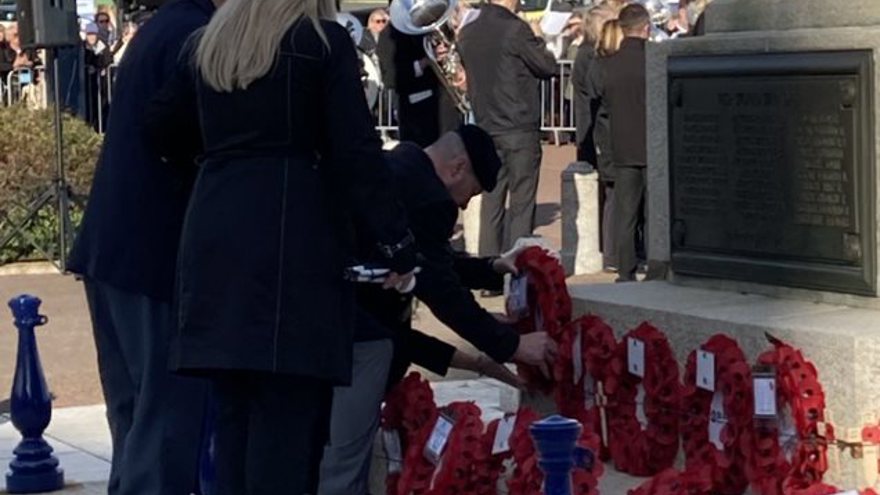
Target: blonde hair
x,y
594,20
240,44
610,39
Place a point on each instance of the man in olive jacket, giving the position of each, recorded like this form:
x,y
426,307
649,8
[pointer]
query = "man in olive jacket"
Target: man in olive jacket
x,y
505,62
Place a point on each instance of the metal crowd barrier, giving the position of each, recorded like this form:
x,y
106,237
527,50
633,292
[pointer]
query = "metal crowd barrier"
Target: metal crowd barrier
x,y
557,108
25,84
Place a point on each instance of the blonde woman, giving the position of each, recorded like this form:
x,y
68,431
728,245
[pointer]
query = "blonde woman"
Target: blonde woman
x,y
289,159
592,125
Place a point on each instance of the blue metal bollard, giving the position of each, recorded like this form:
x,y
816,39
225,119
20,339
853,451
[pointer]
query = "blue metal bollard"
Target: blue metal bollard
x,y
555,438
34,468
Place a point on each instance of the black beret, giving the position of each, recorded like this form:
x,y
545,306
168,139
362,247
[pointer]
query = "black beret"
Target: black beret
x,y
483,155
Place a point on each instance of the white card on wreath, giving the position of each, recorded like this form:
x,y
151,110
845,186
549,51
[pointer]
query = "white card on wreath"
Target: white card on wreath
x,y
706,370
502,435
439,437
391,441
577,361
765,396
518,297
635,357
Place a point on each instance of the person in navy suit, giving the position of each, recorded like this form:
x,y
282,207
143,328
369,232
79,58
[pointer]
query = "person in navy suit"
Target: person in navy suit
x,y
126,253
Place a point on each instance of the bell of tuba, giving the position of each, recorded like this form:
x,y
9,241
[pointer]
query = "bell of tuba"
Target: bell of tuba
x,y
430,18
661,14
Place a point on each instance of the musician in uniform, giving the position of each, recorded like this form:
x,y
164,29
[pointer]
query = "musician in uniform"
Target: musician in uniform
x,y
432,184
425,110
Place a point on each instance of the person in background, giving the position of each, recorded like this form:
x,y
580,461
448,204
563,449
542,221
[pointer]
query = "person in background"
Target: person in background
x,y
375,24
592,120
5,59
126,253
266,312
106,29
622,83
425,109
505,61
96,58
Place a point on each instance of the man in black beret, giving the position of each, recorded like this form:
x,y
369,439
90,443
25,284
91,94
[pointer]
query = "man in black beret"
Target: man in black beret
x,y
432,184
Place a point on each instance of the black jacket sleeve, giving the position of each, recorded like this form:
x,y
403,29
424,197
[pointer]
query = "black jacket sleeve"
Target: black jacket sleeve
x,y
583,106
353,146
440,287
428,352
171,123
477,273
534,53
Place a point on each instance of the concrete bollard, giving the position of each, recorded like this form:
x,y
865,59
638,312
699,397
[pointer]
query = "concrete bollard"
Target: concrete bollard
x,y
34,469
555,439
580,220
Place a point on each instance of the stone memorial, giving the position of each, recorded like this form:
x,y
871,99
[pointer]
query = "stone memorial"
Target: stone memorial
x,y
763,145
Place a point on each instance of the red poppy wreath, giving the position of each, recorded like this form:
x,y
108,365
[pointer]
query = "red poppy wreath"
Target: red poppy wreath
x,y
549,305
457,469
410,409
717,419
644,411
788,456
586,349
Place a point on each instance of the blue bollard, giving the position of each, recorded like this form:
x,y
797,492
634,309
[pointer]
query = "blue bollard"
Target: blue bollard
x,y
555,439
34,468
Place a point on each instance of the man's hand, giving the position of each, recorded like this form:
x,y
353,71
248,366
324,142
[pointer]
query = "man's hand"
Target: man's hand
x,y
536,349
506,263
401,283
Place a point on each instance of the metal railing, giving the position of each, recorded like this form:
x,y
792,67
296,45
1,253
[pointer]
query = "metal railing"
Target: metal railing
x,y
557,109
25,84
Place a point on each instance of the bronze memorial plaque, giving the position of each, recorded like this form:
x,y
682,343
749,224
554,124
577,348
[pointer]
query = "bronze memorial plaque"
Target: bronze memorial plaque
x,y
772,169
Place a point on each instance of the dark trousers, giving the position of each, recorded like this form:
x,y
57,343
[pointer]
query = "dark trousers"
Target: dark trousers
x,y
606,224
155,417
271,432
629,193
520,155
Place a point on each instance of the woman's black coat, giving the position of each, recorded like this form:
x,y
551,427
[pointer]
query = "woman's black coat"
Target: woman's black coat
x,y
285,166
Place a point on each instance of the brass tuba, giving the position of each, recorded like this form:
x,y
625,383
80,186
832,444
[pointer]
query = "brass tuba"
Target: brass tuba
x,y
430,18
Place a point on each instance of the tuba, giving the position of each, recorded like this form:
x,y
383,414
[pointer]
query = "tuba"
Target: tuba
x,y
430,18
661,14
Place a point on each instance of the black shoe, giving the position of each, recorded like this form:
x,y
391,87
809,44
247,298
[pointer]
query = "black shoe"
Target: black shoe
x,y
487,294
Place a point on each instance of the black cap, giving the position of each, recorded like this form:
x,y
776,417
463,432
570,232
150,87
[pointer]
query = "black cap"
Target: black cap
x,y
484,157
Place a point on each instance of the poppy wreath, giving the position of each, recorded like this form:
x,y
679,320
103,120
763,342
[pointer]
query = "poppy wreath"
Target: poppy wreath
x,y
411,405
527,479
733,379
489,466
673,482
457,469
582,398
548,302
769,470
634,450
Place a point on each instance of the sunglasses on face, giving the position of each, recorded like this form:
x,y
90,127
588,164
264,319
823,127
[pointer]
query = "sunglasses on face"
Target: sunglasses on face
x,y
380,21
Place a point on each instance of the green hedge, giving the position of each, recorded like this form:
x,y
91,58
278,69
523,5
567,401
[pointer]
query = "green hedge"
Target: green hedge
x,y
27,164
